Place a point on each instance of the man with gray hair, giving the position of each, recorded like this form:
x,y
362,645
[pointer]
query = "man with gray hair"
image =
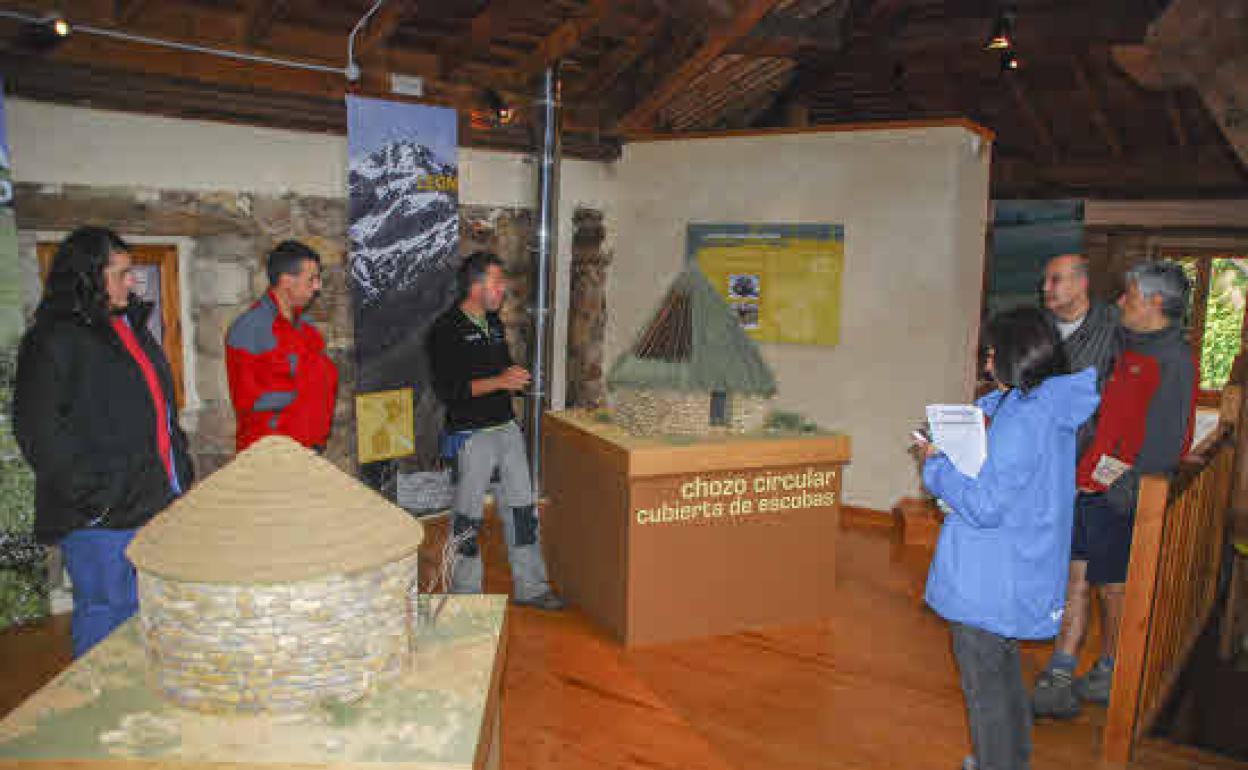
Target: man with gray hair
x,y
1145,426
1089,329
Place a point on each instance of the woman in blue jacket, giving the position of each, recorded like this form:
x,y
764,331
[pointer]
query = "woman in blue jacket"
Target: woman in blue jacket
x,y
999,573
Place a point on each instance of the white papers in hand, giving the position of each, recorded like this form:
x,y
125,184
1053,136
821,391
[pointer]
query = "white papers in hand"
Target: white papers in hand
x,y
958,431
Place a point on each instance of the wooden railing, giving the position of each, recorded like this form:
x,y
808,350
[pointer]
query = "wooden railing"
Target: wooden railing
x,y
1176,553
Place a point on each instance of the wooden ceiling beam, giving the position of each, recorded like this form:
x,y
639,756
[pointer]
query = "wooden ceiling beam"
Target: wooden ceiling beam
x,y
1175,113
775,46
380,29
717,43
258,19
565,38
222,28
1095,107
484,27
616,63
126,12
1137,176
1044,136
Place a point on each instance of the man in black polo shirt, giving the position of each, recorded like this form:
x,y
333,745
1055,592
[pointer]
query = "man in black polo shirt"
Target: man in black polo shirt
x,y
474,378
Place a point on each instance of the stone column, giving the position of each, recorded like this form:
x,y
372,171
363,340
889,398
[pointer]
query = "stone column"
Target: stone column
x,y
587,312
227,269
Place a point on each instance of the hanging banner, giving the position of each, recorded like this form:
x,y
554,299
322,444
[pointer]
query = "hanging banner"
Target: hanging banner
x,y
23,584
404,239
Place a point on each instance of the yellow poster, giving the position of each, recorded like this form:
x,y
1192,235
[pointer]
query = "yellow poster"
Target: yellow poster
x,y
385,428
783,281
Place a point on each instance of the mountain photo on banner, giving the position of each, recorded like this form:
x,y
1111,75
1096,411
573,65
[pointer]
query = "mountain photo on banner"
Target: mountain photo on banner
x,y
404,232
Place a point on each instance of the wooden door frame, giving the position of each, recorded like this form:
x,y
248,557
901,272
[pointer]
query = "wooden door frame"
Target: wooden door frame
x,y
166,254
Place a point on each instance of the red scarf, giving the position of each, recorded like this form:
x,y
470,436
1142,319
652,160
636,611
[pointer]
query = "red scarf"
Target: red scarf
x,y
163,442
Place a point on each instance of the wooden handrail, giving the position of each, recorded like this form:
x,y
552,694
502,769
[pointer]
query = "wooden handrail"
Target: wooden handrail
x,y
1180,528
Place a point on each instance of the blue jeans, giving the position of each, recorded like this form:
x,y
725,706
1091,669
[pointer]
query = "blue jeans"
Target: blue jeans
x,y
105,589
997,705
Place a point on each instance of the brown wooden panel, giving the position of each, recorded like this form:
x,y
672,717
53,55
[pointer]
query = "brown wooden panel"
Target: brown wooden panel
x,y
1137,608
583,526
695,577
655,541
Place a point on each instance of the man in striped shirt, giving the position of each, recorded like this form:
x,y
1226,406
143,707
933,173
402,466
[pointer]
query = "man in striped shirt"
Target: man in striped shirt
x,y
1090,330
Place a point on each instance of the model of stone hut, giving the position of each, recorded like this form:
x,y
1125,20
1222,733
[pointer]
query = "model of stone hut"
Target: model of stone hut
x,y
277,584
693,370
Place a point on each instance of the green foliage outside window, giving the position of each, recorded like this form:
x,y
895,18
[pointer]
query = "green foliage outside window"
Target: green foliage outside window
x,y
23,582
1224,314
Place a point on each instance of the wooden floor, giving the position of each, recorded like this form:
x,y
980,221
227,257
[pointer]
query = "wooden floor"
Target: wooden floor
x,y
872,687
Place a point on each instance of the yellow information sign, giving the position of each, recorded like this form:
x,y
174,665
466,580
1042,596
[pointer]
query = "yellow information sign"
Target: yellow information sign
x,y
385,428
783,281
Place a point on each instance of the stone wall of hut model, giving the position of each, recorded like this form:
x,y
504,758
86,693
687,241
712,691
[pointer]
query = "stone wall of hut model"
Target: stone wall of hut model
x,y
654,411
276,647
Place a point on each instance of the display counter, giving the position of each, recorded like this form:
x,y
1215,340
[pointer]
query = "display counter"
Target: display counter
x,y
443,712
663,539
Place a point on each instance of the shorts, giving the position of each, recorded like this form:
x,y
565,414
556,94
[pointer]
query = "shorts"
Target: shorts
x,y
1102,538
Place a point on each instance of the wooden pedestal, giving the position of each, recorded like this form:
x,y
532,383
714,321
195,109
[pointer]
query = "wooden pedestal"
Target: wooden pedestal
x,y
659,540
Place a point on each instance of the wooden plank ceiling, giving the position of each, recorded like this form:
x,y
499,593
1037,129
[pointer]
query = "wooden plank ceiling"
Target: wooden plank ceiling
x,y
1069,121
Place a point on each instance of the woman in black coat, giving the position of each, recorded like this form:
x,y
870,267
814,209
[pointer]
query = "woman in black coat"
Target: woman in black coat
x,y
95,416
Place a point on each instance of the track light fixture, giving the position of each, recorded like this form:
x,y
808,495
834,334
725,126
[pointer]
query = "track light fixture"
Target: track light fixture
x,y
1009,61
44,34
1002,37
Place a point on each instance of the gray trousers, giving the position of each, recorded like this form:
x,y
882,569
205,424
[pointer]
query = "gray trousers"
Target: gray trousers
x,y
997,705
500,448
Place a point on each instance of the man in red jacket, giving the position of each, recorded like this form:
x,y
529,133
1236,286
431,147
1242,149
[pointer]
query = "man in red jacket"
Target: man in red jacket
x,y
281,380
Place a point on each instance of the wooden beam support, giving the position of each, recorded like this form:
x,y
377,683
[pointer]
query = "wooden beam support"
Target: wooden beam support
x,y
716,44
618,61
1175,174
380,29
565,38
1028,110
774,46
1095,108
483,28
1175,112
126,12
258,18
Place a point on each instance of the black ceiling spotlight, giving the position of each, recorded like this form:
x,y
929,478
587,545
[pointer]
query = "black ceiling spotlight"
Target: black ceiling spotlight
x,y
44,34
497,112
1002,37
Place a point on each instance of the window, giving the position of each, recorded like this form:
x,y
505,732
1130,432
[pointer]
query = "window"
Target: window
x,y
1215,313
719,408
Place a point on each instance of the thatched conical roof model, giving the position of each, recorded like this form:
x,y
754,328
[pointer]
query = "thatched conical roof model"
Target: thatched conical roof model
x,y
277,513
694,342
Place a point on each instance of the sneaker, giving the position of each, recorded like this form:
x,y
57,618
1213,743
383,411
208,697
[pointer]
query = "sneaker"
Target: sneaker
x,y
1054,695
1094,686
547,600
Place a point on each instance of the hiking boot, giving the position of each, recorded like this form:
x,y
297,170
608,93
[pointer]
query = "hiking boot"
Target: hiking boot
x,y
1094,686
547,600
1054,695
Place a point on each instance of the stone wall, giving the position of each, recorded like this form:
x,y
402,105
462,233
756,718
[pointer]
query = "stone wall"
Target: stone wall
x,y
279,647
587,312
747,414
229,233
647,412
